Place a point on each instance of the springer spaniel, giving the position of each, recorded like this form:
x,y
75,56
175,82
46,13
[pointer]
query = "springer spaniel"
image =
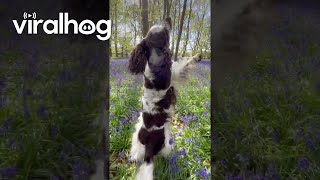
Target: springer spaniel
x,y
162,77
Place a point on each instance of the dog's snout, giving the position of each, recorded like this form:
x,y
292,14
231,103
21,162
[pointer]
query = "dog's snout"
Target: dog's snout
x,y
167,23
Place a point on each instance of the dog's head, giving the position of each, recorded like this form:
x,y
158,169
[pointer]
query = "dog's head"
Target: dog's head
x,y
156,43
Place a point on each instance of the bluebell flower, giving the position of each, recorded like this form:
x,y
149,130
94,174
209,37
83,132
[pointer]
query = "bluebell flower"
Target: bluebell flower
x,y
187,119
79,170
7,124
234,177
28,92
54,131
297,134
9,172
318,136
257,177
121,154
111,116
54,178
242,158
12,144
65,76
170,141
247,102
123,121
203,173
175,169
183,152
118,129
42,111
310,145
173,160
134,116
2,85
276,136
303,164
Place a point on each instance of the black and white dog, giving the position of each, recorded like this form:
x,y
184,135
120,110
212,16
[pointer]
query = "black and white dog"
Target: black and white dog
x,y
162,77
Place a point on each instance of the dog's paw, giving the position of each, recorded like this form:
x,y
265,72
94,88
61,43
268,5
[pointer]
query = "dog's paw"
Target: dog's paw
x,y
194,59
197,57
134,158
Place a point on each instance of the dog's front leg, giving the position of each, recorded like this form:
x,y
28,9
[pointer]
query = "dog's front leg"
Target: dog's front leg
x,y
182,70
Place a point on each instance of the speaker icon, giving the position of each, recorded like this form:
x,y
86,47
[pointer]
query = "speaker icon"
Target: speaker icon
x,y
27,15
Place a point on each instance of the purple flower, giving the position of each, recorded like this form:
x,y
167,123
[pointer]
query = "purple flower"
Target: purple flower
x,y
257,177
303,164
134,116
118,129
7,124
247,102
54,131
173,160
80,170
42,111
183,152
175,169
121,154
187,119
123,121
54,178
12,144
310,145
65,76
229,177
171,141
28,92
203,173
2,85
9,172
111,116
297,134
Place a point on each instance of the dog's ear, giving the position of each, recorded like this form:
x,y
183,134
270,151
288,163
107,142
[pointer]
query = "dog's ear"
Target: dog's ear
x,y
138,58
167,23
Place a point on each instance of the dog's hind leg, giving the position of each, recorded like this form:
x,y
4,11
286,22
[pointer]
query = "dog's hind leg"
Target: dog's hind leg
x,y
137,150
166,150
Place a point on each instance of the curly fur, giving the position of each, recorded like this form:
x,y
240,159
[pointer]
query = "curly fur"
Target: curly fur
x,y
138,58
162,76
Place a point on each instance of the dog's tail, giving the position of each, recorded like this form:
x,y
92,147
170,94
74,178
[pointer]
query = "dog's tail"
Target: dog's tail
x,y
145,171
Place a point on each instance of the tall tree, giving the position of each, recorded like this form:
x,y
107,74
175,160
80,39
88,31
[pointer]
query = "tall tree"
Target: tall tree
x,y
173,26
168,8
180,29
144,15
115,30
188,30
199,33
165,8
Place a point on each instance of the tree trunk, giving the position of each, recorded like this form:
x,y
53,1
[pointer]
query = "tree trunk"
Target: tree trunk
x,y
165,6
144,15
110,50
169,8
173,27
197,43
115,30
159,10
188,30
180,29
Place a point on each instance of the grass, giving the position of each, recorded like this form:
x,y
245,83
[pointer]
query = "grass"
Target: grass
x,y
191,156
49,110
268,119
